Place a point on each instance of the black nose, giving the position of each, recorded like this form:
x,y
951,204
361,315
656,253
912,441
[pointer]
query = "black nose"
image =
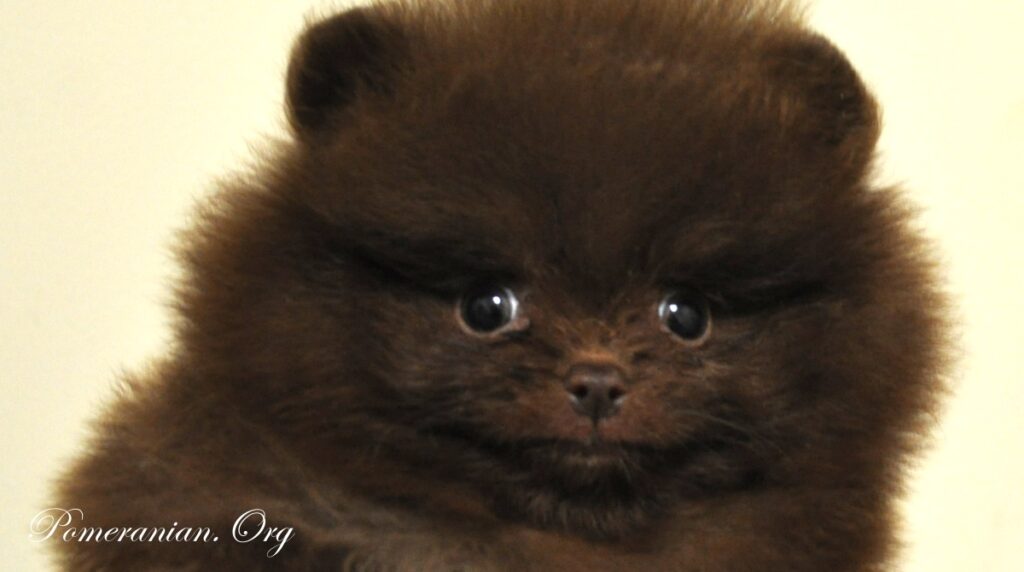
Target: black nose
x,y
596,391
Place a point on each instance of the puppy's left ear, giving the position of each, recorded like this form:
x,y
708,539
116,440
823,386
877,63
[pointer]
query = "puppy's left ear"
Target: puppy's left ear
x,y
357,53
824,100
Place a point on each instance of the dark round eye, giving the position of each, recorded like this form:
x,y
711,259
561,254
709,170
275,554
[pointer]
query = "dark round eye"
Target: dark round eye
x,y
486,309
685,314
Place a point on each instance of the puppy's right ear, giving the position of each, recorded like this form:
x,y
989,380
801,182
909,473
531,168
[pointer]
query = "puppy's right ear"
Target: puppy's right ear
x,y
824,99
338,60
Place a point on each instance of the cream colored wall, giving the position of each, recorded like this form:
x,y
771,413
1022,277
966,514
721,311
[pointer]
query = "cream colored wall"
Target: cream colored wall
x,y
114,116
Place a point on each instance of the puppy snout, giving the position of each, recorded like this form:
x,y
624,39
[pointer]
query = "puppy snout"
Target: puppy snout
x,y
596,391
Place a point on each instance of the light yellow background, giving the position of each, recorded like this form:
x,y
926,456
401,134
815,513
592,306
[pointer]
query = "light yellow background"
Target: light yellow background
x,y
114,116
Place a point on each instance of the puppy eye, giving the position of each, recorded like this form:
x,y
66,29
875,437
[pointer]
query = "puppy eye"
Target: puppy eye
x,y
686,314
487,309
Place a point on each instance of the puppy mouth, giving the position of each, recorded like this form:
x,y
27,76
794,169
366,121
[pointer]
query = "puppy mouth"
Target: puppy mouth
x,y
595,454
597,463
593,449
591,459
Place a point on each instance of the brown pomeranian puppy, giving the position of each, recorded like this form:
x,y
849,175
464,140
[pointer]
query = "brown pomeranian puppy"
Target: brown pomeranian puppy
x,y
535,285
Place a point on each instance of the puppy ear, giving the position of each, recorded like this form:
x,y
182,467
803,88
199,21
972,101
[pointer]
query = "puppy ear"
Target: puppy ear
x,y
824,99
337,60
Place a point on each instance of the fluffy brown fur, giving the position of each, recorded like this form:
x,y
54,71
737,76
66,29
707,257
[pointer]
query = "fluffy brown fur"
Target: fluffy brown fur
x,y
590,155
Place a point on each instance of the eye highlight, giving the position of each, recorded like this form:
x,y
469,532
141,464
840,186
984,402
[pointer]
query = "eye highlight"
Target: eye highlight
x,y
488,309
686,314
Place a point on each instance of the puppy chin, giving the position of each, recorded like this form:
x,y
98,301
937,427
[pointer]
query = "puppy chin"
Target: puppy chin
x,y
594,490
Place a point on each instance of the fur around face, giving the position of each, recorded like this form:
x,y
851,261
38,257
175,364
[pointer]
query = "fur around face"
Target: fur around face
x,y
590,156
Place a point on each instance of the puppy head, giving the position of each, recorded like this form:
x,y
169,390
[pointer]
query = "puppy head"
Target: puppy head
x,y
594,258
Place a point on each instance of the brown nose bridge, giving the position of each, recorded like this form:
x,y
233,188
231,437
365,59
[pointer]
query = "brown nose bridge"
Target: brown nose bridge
x,y
593,344
596,334
596,355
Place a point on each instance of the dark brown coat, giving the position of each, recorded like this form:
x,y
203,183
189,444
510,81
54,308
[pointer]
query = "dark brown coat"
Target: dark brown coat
x,y
591,156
